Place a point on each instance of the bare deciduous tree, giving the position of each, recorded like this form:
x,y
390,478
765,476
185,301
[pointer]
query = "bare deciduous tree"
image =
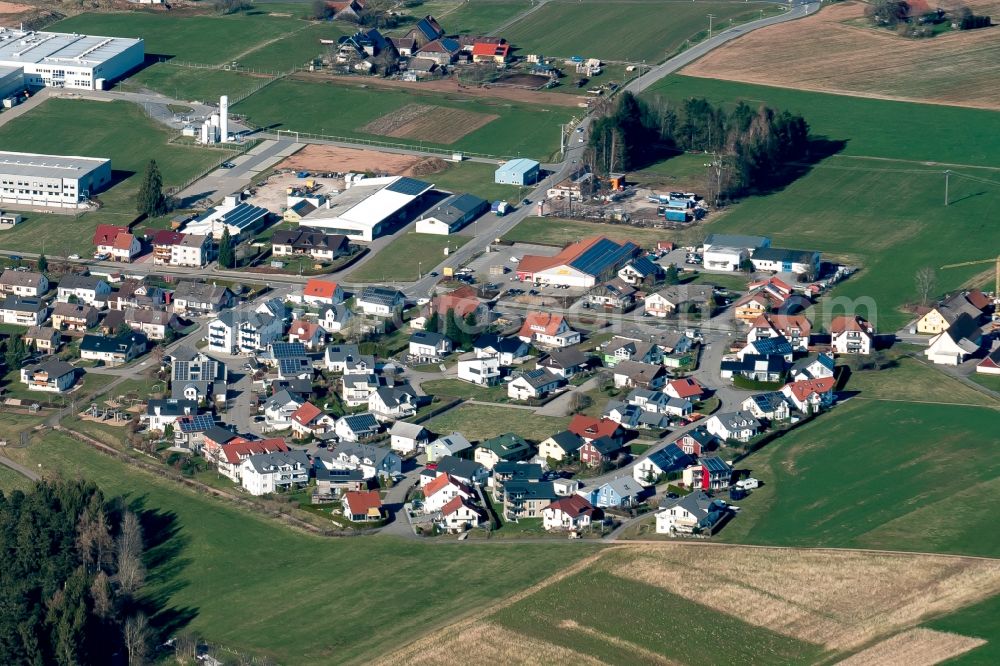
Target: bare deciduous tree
x,y
137,635
925,280
186,649
131,571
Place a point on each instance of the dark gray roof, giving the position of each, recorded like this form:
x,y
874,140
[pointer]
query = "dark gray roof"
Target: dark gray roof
x,y
457,207
779,254
518,471
459,467
270,462
171,407
531,490
53,366
23,304
568,441
567,357
380,295
77,281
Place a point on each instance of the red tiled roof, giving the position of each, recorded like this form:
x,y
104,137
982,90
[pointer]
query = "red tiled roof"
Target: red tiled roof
x,y
490,49
362,501
532,263
772,281
454,504
303,330
589,427
306,413
806,387
574,506
687,387
105,234
241,448
849,323
978,299
123,241
544,322
320,288
442,481
463,301
167,237
784,323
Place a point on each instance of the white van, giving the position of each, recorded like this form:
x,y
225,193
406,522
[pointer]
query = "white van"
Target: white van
x,y
748,484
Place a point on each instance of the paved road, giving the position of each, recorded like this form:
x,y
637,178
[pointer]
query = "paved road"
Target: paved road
x,y
20,469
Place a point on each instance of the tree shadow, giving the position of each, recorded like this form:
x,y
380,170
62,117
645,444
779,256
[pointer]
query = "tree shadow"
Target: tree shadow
x,y
820,148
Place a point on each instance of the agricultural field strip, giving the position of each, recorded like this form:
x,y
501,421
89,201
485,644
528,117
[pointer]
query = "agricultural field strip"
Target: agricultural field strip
x,y
916,647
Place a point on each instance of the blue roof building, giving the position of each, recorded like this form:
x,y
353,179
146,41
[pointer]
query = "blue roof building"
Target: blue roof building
x,y
521,171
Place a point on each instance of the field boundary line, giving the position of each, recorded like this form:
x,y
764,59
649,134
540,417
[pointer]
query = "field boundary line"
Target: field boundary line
x,y
926,402
812,549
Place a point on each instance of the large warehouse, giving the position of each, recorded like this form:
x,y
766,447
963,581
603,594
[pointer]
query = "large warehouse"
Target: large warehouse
x,y
63,60
521,171
11,80
581,264
371,208
55,181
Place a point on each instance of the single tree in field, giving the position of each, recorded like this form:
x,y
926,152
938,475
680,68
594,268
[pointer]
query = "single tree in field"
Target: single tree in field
x,y
150,200
43,264
925,280
227,255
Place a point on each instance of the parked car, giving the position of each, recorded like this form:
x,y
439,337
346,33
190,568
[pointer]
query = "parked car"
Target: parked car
x,y
74,257
227,165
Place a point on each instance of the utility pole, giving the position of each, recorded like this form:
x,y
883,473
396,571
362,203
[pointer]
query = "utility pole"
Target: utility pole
x,y
947,174
710,17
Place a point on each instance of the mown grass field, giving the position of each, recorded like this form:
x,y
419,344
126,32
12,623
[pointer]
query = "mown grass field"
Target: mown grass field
x,y
879,474
622,30
212,40
385,591
554,231
407,257
186,83
295,50
479,422
476,178
914,380
479,18
116,130
528,130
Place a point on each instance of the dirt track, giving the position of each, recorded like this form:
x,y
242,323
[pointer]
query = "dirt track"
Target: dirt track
x,y
835,51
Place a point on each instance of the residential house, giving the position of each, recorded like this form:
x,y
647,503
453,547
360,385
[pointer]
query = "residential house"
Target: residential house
x,y
750,307
442,51
290,358
155,324
363,506
527,499
601,451
546,329
347,360
193,251
614,294
274,472
680,297
754,367
317,244
740,426
488,51
467,471
189,431
794,328
572,513
697,441
104,238
51,376
850,334
814,366
696,512
641,270
591,428
197,376
113,350
243,331
503,448
355,390
533,385
380,301
621,348
428,345
513,471
659,402
23,283
710,473
777,346
200,298
635,417
356,427
43,339
508,351
685,388
659,464
279,408
810,396
163,242
460,515
310,421
939,318
961,340
390,403
228,450
336,318
23,311
443,489
309,334
454,444
991,364
461,303
565,362
408,438
772,406
482,371
322,292
74,317
138,295
331,482
632,374
619,493
166,412
373,461
298,387
561,446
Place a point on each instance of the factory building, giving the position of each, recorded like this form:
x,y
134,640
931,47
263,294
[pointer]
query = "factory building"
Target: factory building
x,y
370,208
11,81
584,263
63,60
521,171
54,181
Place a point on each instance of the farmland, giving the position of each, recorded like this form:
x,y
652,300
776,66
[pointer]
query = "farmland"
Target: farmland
x,y
914,380
217,545
553,231
878,474
406,256
479,18
518,129
829,52
479,422
738,606
117,130
624,30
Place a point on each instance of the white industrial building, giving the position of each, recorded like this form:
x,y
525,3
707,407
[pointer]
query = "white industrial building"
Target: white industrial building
x,y
370,207
11,81
241,219
54,181
63,60
451,214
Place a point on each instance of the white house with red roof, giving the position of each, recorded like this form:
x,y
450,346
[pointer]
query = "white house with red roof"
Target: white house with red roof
x,y
810,395
229,456
569,513
362,506
309,420
460,515
590,428
546,329
125,248
991,364
685,387
442,490
104,237
322,292
851,334
310,334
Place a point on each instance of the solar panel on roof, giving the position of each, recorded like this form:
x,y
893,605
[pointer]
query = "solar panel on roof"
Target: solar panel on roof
x,y
408,186
289,366
198,423
287,349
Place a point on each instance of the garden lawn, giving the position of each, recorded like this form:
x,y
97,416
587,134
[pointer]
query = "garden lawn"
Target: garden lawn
x,y
456,388
616,620
554,231
863,123
185,83
116,130
407,256
875,474
622,30
481,422
213,40
228,558
529,130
